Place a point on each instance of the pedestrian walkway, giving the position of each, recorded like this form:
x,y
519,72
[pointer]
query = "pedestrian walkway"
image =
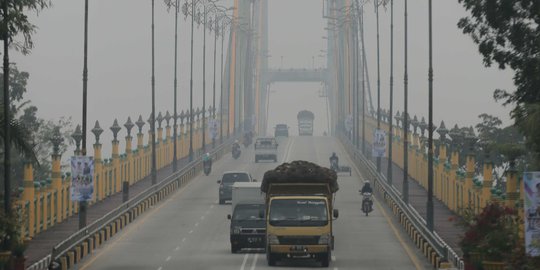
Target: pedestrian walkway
x,y
444,218
41,245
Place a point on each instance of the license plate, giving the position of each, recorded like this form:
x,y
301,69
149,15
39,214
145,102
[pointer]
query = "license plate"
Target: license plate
x,y
298,248
254,239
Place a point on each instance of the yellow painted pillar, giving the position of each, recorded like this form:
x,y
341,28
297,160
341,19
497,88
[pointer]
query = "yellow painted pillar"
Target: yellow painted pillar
x,y
140,156
487,183
168,146
56,177
29,195
98,170
130,160
38,195
181,143
512,194
116,166
468,186
159,148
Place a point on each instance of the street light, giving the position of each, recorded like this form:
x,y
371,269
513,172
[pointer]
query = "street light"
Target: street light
x,y
430,224
153,120
82,204
390,133
175,125
405,120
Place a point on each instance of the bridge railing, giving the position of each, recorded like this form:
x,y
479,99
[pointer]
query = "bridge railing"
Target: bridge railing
x,y
415,224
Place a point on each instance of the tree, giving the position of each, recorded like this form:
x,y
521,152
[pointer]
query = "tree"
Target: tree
x,y
507,34
17,22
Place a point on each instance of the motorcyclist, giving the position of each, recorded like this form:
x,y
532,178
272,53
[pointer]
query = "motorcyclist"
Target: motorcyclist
x,y
366,188
334,161
236,145
207,160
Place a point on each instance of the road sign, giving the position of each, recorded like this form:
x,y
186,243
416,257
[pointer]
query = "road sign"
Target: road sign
x,y
379,143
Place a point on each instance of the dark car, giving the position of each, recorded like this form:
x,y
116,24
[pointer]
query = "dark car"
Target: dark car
x,y
226,182
248,226
281,130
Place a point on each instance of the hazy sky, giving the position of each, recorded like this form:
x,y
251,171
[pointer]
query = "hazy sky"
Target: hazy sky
x,y
119,62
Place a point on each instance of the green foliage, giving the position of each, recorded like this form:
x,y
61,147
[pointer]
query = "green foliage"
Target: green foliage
x,y
16,22
507,34
30,135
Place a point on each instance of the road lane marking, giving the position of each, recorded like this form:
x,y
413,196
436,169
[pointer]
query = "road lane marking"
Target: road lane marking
x,y
333,258
411,254
254,263
191,231
108,246
160,268
168,259
212,206
288,150
197,224
202,218
177,248
244,262
184,239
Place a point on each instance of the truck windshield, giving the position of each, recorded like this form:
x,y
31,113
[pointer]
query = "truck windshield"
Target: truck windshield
x,y
298,212
248,212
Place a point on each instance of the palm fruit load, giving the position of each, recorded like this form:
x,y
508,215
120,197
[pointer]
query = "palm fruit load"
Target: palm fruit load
x,y
300,172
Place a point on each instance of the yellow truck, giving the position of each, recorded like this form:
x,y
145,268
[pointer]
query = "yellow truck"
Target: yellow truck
x,y
299,200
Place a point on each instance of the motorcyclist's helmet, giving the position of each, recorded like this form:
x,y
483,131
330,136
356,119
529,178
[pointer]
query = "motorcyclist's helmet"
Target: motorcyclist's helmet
x,y
366,183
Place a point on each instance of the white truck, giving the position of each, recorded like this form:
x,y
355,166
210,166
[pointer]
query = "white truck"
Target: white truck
x,y
246,191
266,149
248,228
305,123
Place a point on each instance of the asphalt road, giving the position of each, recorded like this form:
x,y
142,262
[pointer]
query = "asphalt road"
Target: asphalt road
x,y
190,230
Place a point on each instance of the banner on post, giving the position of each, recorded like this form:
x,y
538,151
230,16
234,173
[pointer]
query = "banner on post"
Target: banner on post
x,y
531,182
213,126
82,178
378,147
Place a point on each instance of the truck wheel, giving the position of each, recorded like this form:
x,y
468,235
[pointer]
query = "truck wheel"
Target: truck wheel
x,y
270,258
234,248
326,258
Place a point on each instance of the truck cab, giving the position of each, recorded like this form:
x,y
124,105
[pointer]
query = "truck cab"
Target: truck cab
x,y
266,149
248,228
281,130
299,222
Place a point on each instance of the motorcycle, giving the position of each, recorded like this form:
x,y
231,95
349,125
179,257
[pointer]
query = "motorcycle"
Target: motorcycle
x,y
367,202
236,152
207,168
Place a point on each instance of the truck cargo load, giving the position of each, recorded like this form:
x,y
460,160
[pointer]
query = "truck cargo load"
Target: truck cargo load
x,y
300,172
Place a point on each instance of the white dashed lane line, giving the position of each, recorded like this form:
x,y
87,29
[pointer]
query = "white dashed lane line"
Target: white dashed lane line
x,y
190,232
244,262
168,259
177,248
160,268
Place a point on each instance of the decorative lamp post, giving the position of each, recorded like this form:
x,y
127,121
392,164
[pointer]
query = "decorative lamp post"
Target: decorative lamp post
x,y
77,136
140,124
129,125
115,128
56,140
415,124
97,130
